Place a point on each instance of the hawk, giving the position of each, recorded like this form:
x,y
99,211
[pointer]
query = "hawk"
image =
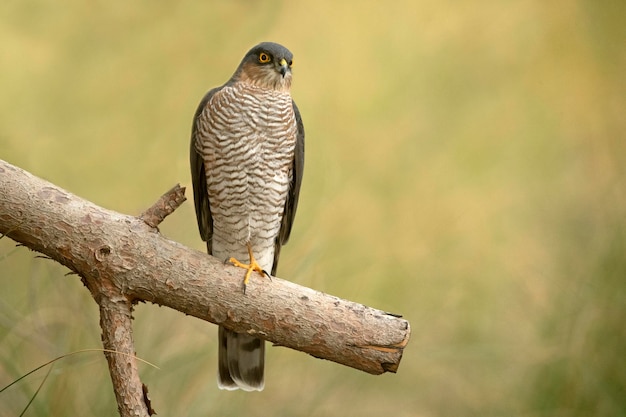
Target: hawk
x,y
247,156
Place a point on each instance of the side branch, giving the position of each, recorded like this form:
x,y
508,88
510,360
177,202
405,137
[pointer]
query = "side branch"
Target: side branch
x,y
117,339
112,250
164,206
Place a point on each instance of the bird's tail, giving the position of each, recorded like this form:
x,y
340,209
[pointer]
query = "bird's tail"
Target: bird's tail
x,y
241,361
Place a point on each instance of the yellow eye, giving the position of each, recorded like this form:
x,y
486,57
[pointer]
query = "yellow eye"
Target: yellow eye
x,y
264,58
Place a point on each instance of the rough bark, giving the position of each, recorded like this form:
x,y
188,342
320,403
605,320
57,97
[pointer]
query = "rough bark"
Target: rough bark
x,y
124,259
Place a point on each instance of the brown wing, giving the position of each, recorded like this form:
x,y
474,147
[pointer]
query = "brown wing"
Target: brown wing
x,y
198,177
291,203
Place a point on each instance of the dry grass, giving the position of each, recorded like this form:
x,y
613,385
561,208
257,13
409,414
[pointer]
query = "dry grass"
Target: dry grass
x,y
464,168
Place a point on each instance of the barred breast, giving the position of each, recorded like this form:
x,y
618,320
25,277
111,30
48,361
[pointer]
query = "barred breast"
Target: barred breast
x,y
247,138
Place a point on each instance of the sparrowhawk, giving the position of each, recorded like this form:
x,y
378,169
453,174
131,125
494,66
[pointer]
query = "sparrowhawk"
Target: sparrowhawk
x,y
247,156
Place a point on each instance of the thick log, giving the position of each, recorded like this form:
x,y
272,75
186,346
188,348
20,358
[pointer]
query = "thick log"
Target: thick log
x,y
125,255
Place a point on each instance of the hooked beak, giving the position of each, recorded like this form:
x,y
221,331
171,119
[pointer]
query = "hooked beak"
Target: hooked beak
x,y
284,67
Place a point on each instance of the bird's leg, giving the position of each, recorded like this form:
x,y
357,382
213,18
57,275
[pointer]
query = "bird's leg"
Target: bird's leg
x,y
252,266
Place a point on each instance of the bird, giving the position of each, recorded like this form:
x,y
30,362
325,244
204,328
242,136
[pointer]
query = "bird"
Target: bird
x,y
247,161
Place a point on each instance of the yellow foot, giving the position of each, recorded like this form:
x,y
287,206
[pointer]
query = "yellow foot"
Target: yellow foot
x,y
252,266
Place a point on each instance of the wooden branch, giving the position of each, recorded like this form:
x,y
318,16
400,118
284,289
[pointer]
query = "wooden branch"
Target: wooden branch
x,y
117,339
164,206
123,259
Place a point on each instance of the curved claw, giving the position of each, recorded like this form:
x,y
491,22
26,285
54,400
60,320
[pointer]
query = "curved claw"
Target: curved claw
x,y
267,274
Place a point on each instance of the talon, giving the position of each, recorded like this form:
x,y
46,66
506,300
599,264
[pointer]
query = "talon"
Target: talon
x,y
252,266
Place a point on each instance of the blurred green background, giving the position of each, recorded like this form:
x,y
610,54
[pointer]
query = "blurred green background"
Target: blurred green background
x,y
464,167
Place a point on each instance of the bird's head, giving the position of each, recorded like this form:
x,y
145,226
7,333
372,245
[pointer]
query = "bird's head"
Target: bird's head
x,y
267,65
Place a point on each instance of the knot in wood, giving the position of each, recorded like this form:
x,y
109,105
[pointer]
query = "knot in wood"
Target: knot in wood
x,y
102,252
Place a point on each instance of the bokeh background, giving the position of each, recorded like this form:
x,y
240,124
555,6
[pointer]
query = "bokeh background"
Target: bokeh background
x,y
464,167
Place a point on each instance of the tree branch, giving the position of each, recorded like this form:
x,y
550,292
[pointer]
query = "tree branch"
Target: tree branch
x,y
117,339
123,259
164,206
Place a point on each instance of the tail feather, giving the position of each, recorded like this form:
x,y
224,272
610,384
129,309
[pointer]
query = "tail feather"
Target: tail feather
x,y
241,361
